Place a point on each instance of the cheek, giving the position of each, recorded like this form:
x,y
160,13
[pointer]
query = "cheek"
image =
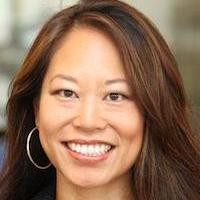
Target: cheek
x,y
52,115
130,128
130,123
132,138
50,123
49,120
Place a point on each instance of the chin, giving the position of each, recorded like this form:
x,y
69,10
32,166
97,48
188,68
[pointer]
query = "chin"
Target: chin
x,y
89,182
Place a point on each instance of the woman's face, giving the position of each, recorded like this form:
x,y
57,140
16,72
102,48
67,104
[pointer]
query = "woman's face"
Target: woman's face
x,y
89,126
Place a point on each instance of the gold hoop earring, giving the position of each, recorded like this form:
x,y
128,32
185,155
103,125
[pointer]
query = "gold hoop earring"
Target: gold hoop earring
x,y
29,153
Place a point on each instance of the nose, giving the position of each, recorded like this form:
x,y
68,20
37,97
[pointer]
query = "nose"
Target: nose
x,y
89,117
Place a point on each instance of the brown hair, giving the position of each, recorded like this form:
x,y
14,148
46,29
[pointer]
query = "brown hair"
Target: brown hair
x,y
168,166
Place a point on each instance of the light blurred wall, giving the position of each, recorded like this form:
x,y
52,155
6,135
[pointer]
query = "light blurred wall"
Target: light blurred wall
x,y
5,22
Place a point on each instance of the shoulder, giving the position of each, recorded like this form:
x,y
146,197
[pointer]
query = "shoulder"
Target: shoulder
x,y
47,193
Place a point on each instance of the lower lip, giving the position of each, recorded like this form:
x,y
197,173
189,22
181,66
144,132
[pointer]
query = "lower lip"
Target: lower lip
x,y
88,159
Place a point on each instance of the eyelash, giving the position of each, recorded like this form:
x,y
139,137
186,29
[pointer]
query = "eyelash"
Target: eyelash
x,y
117,94
63,93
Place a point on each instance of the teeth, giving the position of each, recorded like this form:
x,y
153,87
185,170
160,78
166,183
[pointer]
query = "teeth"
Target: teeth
x,y
89,149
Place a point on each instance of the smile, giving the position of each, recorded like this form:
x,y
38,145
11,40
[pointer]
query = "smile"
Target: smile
x,y
91,150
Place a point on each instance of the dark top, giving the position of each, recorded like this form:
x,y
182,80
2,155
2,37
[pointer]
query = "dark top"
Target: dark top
x,y
47,193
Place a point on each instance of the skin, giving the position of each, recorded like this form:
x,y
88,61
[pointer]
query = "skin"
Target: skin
x,y
89,112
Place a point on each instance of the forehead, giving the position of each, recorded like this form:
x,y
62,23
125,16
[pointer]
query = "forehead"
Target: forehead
x,y
86,49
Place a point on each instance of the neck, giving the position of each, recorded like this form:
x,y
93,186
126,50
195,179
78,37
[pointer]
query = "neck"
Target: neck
x,y
117,190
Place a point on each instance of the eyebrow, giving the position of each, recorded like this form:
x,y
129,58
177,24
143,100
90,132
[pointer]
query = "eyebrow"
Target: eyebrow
x,y
118,80
70,78
65,77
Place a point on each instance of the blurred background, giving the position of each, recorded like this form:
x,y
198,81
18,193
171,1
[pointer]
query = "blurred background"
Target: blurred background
x,y
177,20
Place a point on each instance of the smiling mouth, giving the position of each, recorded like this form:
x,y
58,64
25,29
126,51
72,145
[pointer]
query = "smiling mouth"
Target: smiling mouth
x,y
90,150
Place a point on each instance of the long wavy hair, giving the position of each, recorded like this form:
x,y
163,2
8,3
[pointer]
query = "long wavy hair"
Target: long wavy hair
x,y
168,166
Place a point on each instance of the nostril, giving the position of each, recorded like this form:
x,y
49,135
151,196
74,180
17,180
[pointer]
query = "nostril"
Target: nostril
x,y
89,124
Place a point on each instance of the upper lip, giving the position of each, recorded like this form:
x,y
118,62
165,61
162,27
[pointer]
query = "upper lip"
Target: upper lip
x,y
81,141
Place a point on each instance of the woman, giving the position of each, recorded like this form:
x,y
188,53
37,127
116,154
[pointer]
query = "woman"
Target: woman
x,y
101,94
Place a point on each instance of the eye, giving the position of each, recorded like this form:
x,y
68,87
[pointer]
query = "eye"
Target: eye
x,y
67,93
115,96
